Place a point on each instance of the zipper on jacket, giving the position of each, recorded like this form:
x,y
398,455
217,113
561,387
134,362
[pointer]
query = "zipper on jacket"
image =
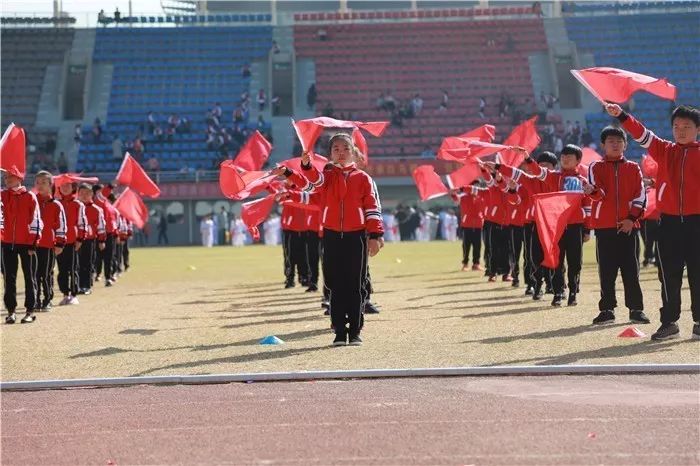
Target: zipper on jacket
x,y
685,152
617,196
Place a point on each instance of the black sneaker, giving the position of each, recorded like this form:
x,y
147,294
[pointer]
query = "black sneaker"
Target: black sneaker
x,y
289,285
529,290
605,317
11,319
696,331
572,300
537,293
312,288
108,283
516,283
638,317
371,308
340,339
556,301
85,291
28,318
356,341
46,308
327,312
549,290
666,332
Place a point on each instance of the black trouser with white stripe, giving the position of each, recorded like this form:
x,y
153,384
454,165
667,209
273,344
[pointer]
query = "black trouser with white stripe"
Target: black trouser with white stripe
x,y
571,250
499,246
117,257
679,245
313,251
294,249
650,235
538,272
68,270
125,254
527,259
471,240
44,276
618,251
12,255
345,272
86,263
516,247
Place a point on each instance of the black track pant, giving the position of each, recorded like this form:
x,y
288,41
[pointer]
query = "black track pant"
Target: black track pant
x,y
108,257
44,276
571,250
471,240
499,245
294,249
538,273
345,273
12,255
679,245
618,251
68,270
125,254
650,235
117,258
86,263
313,251
516,248
527,259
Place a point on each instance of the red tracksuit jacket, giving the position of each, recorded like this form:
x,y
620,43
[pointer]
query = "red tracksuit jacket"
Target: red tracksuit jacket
x,y
22,218
348,198
110,214
679,169
53,233
471,206
95,222
293,218
496,201
76,221
619,192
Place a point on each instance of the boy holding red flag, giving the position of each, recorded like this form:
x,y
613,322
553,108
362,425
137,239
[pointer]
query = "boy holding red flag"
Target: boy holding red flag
x,y
20,236
496,222
76,225
471,221
53,238
679,202
619,199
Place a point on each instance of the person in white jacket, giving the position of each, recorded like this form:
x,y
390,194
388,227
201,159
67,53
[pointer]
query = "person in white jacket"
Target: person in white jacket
x,y
206,229
238,231
273,230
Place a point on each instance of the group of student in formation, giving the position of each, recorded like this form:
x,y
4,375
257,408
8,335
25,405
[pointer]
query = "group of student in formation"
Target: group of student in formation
x,y
613,202
74,226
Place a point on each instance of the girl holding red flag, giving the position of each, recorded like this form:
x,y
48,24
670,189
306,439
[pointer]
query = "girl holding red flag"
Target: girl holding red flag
x,y
352,229
471,221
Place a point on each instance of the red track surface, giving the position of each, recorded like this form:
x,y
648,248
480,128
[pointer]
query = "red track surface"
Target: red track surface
x,y
487,420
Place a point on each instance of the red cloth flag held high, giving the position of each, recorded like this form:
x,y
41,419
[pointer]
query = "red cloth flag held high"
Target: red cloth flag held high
x,y
254,153
131,174
131,206
472,148
361,143
524,135
428,183
309,130
238,184
616,85
255,212
589,156
552,212
13,151
464,175
484,133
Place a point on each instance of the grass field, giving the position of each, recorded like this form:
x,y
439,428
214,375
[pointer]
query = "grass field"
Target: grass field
x,y
202,311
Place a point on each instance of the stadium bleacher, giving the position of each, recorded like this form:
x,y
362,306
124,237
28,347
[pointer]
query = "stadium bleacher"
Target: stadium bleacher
x,y
180,70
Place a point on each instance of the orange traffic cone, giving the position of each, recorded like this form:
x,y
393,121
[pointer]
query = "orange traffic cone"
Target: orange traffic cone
x,y
631,332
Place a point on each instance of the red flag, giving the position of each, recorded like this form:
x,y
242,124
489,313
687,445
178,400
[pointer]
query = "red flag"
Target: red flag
x,y
524,135
237,183
485,133
131,206
253,213
64,178
650,169
360,143
317,161
309,130
254,153
465,175
13,151
301,205
652,210
472,148
133,175
589,156
552,212
616,85
428,183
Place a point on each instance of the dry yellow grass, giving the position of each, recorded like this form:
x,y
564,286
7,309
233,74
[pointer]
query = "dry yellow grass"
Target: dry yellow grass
x,y
203,311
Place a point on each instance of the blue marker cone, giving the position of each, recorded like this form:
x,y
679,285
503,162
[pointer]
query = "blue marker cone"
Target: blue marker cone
x,y
271,340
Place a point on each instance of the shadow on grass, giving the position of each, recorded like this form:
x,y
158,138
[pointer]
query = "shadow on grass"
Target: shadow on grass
x,y
291,320
562,332
252,315
138,331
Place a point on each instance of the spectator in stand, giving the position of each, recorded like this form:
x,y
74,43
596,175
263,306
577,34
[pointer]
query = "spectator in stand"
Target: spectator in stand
x,y
174,121
577,133
185,126
117,16
237,135
510,43
396,119
311,96
238,115
380,102
275,103
445,99
169,134
245,71
51,145
482,108
97,130
587,138
158,133
261,123
217,111
328,110
102,18
77,134
117,148
62,163
389,102
503,105
406,110
427,153
138,148
568,128
416,104
211,139
275,48
152,164
558,144
322,34
151,122
261,99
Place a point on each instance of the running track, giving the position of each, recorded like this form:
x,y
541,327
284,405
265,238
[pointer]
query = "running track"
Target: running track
x,y
631,419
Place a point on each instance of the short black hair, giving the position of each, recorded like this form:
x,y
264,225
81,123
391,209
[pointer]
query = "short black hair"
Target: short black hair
x,y
572,149
688,112
97,188
612,131
84,186
547,157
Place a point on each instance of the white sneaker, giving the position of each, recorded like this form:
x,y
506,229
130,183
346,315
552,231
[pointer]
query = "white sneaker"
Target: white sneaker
x,y
64,301
72,300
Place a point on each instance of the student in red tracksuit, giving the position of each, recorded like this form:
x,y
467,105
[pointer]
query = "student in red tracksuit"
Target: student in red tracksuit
x,y
313,247
125,245
76,226
53,238
105,257
496,241
20,235
94,238
619,199
294,245
517,212
679,202
650,227
471,221
577,231
352,230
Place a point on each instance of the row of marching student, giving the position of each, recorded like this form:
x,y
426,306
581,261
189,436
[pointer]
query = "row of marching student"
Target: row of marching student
x,y
74,227
612,200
